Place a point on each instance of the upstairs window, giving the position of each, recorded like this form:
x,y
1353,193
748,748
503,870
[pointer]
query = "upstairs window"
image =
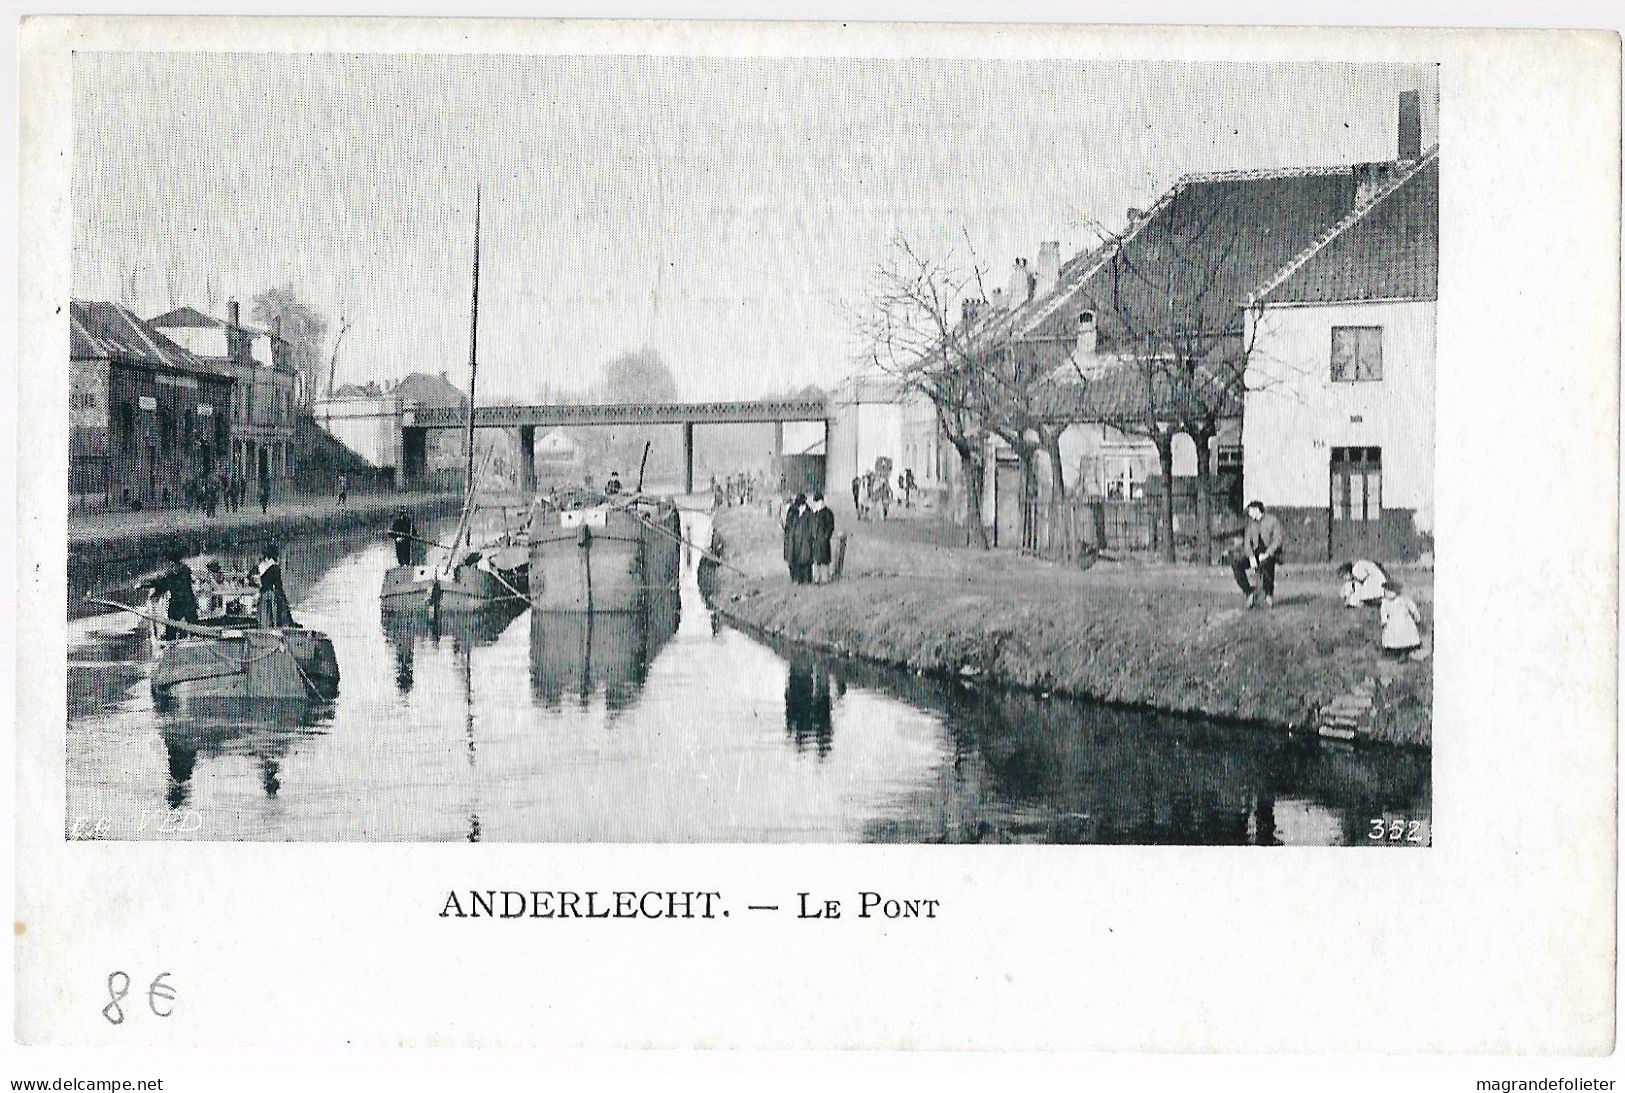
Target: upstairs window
x,y
1356,354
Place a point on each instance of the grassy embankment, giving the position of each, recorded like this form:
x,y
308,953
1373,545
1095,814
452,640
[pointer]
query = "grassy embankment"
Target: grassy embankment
x,y
1178,639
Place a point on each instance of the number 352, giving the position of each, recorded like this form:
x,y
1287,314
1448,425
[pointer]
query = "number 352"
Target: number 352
x,y
1398,830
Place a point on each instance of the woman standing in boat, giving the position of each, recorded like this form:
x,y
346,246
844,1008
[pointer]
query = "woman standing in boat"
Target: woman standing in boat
x,y
273,608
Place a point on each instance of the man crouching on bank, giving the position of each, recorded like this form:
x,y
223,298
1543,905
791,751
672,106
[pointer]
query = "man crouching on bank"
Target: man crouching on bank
x,y
1262,543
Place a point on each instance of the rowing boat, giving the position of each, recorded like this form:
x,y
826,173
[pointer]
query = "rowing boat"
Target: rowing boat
x,y
248,664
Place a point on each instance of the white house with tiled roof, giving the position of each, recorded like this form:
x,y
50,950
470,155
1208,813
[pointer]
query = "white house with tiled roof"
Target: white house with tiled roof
x,y
1338,433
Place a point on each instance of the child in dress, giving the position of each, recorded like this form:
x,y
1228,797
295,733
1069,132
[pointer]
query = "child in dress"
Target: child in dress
x,y
1401,622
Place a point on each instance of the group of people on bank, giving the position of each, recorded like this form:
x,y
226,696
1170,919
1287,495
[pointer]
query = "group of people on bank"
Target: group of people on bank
x,y
873,490
739,489
809,532
1364,583
208,493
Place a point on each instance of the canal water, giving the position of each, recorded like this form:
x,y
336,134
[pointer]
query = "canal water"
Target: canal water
x,y
671,726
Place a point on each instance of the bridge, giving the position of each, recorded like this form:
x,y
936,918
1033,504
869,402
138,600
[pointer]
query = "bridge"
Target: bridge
x,y
416,421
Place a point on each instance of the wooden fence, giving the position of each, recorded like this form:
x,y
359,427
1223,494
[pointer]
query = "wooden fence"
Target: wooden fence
x,y
1081,527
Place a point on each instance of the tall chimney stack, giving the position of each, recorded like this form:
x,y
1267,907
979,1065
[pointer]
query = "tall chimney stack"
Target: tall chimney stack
x,y
1049,269
233,313
1021,285
1410,125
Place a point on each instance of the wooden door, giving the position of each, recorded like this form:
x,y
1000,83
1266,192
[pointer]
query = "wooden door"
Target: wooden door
x,y
1356,504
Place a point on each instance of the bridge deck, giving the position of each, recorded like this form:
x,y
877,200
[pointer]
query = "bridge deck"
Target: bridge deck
x,y
655,413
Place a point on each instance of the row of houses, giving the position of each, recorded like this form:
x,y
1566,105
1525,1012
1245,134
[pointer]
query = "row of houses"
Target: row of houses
x,y
155,404
1308,294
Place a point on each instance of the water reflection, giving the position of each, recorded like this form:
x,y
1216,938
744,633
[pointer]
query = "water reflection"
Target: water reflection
x,y
214,728
1063,771
576,655
466,630
807,718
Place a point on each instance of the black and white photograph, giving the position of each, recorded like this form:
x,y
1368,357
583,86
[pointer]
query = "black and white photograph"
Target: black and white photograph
x,y
698,541
727,456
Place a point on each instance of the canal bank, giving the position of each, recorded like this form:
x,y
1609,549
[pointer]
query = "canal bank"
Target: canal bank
x,y
1173,639
109,547
525,726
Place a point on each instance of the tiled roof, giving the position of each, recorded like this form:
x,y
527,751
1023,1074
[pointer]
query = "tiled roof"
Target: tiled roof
x,y
1211,239
1121,393
186,316
191,316
105,331
426,390
1388,249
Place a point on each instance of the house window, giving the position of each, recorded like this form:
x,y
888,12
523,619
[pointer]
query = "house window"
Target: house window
x,y
1126,484
1356,354
1228,458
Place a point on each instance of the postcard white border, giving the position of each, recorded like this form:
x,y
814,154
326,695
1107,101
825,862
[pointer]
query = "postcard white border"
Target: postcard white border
x,y
1498,939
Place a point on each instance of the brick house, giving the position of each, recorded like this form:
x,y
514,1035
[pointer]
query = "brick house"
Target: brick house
x,y
144,415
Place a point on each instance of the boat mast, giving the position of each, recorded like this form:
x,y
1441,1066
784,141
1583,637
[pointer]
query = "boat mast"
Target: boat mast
x,y
473,353
473,350
463,525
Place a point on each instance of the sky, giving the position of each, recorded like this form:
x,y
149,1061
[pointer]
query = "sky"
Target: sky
x,y
728,212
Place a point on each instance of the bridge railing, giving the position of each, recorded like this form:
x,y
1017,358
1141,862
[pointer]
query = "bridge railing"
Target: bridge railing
x,y
650,413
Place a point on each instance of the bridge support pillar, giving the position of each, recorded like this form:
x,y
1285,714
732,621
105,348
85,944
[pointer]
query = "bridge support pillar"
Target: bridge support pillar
x,y
527,459
688,457
778,449
414,457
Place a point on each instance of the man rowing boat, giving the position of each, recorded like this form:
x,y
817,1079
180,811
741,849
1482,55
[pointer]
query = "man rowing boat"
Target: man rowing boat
x,y
176,583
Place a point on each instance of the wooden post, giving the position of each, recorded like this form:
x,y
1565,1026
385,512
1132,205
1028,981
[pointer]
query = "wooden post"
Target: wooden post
x,y
840,557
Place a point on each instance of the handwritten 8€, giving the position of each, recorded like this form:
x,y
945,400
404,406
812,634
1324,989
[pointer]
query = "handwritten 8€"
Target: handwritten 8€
x,y
118,987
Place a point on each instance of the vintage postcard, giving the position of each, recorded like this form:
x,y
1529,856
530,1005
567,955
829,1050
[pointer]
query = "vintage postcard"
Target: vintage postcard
x,y
531,508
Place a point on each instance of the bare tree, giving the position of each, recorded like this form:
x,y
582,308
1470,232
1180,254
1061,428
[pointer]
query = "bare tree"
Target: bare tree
x,y
1029,403
1168,298
923,330
333,359
304,328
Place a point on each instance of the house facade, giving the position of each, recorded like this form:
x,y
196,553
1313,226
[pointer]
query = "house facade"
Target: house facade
x,y
1340,406
266,393
145,417
365,420
867,422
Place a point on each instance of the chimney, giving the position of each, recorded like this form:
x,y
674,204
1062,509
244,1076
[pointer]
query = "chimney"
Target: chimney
x,y
1086,333
233,314
1410,125
969,309
997,303
1048,273
1021,284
